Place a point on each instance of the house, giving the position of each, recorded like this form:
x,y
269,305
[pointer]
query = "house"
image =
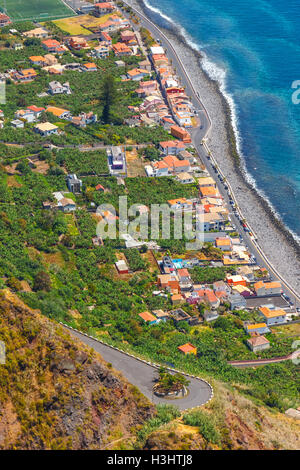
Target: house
x,y
25,115
157,169
237,301
51,45
210,316
180,204
84,119
187,348
177,299
223,243
73,183
89,67
149,86
179,315
244,291
220,286
171,147
77,43
106,38
148,318
268,288
26,75
273,316
120,49
181,134
101,51
17,124
103,8
257,328
258,343
120,63
137,74
185,178
54,47
99,187
208,222
145,64
211,299
209,191
46,129
235,280
59,112
161,315
116,158
175,165
40,33
64,204
207,182
163,280
38,60
18,46
50,59
4,20
128,36
183,276
122,267
56,88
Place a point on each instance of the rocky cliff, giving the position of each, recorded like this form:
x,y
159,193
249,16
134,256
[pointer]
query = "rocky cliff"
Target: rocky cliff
x,y
57,394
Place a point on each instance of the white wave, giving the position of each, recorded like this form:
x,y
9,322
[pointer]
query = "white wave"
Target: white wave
x,y
218,74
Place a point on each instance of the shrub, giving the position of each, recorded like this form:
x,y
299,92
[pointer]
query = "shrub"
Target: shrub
x,y
206,427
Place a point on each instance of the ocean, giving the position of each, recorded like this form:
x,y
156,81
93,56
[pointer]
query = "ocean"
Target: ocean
x,y
252,47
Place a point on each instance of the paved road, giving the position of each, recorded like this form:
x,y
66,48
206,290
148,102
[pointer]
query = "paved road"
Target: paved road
x,y
201,133
142,375
263,362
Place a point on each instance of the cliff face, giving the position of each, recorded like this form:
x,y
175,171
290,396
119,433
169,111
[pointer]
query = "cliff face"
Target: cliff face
x,y
55,393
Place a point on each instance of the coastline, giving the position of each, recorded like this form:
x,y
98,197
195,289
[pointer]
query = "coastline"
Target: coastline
x,y
274,238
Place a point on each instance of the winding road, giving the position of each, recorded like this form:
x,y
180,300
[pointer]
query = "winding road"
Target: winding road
x,y
142,374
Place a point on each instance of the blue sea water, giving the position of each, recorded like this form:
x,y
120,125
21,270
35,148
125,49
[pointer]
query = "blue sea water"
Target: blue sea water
x,y
253,48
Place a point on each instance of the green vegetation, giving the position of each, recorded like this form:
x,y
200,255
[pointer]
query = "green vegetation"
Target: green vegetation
x,y
204,423
165,414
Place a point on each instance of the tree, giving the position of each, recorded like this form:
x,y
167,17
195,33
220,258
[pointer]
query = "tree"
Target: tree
x,y
42,281
171,382
109,96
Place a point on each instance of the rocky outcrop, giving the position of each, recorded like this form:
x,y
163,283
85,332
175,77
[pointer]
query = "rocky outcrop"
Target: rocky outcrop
x,y
58,394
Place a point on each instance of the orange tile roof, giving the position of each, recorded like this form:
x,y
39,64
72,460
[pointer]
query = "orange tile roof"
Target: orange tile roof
x,y
147,316
90,65
223,241
258,285
186,348
56,111
267,313
28,72
208,191
256,325
37,58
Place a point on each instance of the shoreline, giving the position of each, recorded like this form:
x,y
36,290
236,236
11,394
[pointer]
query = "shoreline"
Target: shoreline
x,y
274,238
